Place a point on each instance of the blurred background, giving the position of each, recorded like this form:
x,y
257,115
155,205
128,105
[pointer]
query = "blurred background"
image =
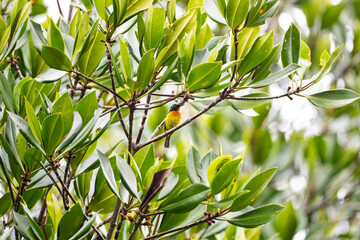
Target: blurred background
x,y
316,150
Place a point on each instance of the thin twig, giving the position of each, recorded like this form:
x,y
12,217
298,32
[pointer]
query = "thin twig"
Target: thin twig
x,y
20,192
287,94
43,208
51,177
157,130
131,126
113,91
14,64
105,221
70,11
59,8
204,220
162,104
65,197
122,219
113,219
121,119
143,120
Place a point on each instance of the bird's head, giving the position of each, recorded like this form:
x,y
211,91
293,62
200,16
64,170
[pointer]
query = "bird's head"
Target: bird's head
x,y
174,107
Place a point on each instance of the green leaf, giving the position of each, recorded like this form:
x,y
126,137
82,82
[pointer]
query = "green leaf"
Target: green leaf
x,y
154,27
50,75
186,52
260,11
101,9
256,186
75,128
246,37
120,7
214,11
4,38
82,31
305,59
54,209
145,158
33,121
193,165
275,77
215,166
256,217
127,176
165,77
204,75
248,102
203,36
327,66
5,203
32,157
135,7
64,106
187,200
333,98
225,176
70,223
87,106
324,58
290,52
181,26
24,227
125,60
257,54
84,229
75,22
25,130
264,69
171,182
56,58
170,10
52,132
285,223
5,91
108,173
92,55
54,37
236,12
145,70
228,200
37,36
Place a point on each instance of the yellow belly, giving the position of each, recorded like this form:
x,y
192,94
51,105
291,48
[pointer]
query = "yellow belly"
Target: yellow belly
x,y
172,119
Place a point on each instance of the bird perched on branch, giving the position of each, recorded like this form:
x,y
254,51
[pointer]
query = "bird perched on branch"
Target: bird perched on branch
x,y
173,119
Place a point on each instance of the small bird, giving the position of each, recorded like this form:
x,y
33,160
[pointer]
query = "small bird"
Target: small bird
x,y
173,118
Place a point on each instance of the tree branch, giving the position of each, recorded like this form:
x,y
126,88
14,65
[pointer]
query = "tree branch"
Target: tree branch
x,y
105,221
121,119
143,120
43,208
113,219
58,4
207,219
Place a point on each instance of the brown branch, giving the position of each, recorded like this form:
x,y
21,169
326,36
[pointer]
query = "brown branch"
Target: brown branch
x,y
113,91
162,104
51,177
67,167
121,119
122,218
43,208
287,94
22,187
70,11
113,219
14,64
143,120
157,130
58,4
207,218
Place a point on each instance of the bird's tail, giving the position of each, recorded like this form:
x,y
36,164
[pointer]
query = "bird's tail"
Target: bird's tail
x,y
167,141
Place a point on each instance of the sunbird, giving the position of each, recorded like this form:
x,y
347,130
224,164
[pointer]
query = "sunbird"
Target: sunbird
x,y
173,118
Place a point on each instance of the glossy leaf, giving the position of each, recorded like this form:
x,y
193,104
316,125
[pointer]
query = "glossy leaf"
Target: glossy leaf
x,y
154,27
226,201
236,12
55,38
25,130
256,217
125,60
193,165
84,229
52,132
255,185
75,128
56,58
215,12
33,122
249,101
136,7
203,76
291,46
187,200
257,54
333,98
5,90
70,223
127,176
87,106
215,166
108,173
165,77
50,75
225,176
169,44
286,222
64,106
275,77
305,59
146,70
